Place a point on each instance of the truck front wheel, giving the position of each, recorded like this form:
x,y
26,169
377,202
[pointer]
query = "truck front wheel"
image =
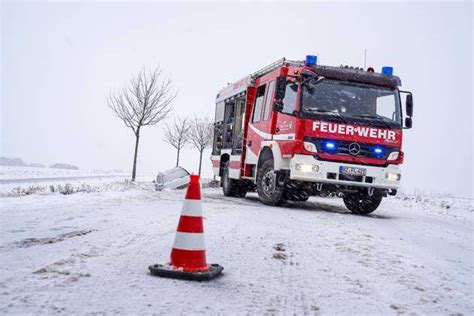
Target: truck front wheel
x,y
361,203
269,192
231,187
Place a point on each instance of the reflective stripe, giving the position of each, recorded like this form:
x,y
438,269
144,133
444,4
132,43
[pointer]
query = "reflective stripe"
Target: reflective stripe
x,y
272,136
235,158
260,133
192,208
284,136
189,241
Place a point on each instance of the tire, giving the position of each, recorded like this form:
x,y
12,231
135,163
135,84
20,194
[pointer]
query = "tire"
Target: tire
x,y
231,187
269,192
361,203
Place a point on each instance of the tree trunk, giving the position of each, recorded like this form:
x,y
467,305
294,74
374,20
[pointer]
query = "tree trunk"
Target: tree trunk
x,y
177,158
200,162
134,170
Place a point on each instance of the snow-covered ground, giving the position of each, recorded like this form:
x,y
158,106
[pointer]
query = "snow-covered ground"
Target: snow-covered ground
x,y
89,253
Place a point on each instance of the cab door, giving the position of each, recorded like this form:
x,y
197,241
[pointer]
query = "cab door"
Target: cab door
x,y
260,124
286,119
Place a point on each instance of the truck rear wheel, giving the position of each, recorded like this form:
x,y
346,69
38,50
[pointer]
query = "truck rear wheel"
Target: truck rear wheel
x,y
361,203
269,192
231,187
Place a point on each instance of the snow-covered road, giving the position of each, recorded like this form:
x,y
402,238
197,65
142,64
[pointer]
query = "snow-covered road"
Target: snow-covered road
x,y
89,252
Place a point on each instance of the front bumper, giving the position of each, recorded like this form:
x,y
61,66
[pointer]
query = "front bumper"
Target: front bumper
x,y
328,172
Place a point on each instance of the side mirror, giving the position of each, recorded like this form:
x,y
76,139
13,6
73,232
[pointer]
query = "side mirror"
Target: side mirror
x,y
408,122
409,105
278,106
280,88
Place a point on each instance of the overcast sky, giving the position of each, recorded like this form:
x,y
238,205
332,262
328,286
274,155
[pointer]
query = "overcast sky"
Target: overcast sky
x,y
60,61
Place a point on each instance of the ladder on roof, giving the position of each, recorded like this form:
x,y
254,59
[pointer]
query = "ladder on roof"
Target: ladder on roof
x,y
273,66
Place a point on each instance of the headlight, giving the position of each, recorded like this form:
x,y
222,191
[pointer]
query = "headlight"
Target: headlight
x,y
393,155
310,147
306,168
393,176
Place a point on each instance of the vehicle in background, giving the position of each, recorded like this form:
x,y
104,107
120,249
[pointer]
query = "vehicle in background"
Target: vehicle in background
x,y
176,178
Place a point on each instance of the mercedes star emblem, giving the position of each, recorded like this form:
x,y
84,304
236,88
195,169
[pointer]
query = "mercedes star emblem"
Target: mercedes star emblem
x,y
354,149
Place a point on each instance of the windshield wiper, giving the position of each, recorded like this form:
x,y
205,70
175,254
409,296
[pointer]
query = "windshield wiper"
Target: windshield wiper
x,y
377,117
314,80
339,116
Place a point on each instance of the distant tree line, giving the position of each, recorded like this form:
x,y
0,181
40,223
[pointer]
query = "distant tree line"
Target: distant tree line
x,y
5,161
18,162
64,166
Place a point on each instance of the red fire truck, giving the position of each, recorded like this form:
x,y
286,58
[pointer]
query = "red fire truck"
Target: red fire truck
x,y
295,129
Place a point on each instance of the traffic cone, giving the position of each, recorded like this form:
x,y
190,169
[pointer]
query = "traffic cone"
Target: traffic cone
x,y
188,255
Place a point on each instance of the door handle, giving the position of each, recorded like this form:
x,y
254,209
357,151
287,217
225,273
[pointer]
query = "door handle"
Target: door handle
x,y
250,143
277,129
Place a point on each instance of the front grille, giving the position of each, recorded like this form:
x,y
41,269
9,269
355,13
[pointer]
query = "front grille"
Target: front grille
x,y
342,147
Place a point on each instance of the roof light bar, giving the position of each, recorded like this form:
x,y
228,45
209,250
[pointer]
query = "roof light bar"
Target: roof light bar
x,y
311,60
388,71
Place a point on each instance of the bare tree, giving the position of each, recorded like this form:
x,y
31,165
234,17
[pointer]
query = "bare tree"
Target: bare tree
x,y
201,136
177,134
145,100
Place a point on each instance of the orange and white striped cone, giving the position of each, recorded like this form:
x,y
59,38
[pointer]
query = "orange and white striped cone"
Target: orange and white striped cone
x,y
188,255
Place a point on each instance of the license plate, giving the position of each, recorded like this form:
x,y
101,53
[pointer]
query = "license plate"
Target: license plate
x,y
352,171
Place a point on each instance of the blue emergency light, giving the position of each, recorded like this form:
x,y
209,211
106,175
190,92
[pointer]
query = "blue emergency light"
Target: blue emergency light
x,y
311,60
330,145
378,150
388,71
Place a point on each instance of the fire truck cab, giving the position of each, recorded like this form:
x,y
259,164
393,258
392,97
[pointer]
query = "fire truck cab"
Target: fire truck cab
x,y
295,129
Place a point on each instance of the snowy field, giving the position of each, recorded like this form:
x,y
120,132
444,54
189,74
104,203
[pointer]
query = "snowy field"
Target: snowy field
x,y
31,174
30,179
88,253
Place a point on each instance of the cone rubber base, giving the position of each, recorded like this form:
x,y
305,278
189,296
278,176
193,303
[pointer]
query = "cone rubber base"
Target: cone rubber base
x,y
165,272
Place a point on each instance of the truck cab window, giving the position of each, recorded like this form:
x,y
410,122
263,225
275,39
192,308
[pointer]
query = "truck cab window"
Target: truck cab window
x,y
257,110
229,124
289,101
268,101
218,128
384,107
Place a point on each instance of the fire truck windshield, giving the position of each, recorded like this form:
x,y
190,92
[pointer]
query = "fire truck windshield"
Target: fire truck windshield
x,y
342,99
